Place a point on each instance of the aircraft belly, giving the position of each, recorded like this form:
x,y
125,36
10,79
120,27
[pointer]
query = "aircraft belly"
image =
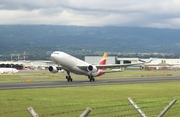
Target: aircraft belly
x,y
76,70
71,65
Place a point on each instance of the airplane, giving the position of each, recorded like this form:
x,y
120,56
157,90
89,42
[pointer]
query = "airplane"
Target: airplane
x,y
72,64
8,71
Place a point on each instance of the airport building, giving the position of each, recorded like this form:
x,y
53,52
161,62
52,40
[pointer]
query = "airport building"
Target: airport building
x,y
156,63
39,64
96,59
111,60
161,63
12,64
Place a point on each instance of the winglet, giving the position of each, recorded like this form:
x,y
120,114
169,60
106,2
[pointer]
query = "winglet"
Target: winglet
x,y
151,59
146,61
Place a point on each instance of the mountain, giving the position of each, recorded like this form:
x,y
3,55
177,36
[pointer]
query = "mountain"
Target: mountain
x,y
42,38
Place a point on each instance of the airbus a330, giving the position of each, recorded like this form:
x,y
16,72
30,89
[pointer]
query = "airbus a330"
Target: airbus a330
x,y
72,64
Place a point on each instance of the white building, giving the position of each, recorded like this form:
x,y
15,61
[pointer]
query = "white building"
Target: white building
x,y
160,63
39,64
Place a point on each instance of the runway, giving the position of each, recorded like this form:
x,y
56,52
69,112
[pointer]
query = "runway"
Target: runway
x,y
120,81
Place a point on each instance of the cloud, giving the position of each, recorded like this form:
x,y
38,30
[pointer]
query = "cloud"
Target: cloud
x,y
149,13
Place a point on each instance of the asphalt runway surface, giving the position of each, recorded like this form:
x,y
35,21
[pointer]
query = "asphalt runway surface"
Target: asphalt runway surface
x,y
120,81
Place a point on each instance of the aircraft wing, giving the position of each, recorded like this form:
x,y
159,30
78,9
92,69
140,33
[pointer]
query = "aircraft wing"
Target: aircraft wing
x,y
113,65
121,65
113,70
116,65
106,66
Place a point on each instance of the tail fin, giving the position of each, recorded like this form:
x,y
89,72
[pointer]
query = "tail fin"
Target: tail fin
x,y
103,60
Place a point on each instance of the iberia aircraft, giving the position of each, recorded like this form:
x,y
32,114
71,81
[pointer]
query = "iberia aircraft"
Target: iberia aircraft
x,y
72,64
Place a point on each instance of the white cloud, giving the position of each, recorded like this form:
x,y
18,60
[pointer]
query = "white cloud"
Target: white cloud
x,y
148,13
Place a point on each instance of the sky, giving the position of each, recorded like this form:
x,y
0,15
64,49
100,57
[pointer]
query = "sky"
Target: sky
x,y
130,13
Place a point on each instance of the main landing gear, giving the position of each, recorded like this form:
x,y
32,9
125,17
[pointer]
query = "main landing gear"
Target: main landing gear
x,y
69,79
91,78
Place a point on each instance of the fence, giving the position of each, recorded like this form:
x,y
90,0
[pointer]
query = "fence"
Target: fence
x,y
111,108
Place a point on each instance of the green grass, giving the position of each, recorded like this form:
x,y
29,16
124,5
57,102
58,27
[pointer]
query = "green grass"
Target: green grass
x,y
105,101
46,76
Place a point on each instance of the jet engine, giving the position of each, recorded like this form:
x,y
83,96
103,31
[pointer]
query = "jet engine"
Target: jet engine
x,y
92,68
53,69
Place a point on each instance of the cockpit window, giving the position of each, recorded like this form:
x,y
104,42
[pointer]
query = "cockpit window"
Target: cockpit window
x,y
56,53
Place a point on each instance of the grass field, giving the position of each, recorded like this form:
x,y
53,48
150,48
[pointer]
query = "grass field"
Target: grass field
x,y
105,101
46,76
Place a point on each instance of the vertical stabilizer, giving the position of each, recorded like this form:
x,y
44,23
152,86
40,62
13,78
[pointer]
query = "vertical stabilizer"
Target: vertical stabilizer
x,y
103,60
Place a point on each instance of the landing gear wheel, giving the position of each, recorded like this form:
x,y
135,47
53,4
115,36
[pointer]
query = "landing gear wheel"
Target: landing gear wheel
x,y
69,79
91,79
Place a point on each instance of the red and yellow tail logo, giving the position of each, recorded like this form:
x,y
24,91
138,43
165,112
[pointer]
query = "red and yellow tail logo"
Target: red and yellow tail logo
x,y
103,60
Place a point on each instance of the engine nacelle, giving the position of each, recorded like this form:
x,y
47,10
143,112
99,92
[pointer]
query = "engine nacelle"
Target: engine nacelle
x,y
92,68
53,69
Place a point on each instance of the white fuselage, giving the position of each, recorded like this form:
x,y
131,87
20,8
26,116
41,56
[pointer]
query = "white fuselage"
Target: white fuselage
x,y
69,62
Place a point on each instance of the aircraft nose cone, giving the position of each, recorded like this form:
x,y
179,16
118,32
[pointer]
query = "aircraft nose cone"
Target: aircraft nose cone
x,y
52,57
